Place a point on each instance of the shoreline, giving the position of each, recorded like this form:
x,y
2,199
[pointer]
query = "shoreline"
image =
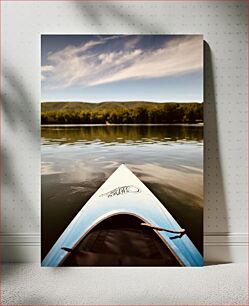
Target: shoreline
x,y
201,124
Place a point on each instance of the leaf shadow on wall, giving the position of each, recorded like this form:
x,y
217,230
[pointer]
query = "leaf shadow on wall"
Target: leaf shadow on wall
x,y
21,121
124,18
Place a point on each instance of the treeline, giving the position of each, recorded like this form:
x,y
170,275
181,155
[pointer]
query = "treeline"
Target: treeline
x,y
159,113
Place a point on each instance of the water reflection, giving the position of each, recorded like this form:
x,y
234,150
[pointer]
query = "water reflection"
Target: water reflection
x,y
77,160
121,134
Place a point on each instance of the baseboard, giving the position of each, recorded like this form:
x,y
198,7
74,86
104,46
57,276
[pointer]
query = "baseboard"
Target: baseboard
x,y
225,247
218,247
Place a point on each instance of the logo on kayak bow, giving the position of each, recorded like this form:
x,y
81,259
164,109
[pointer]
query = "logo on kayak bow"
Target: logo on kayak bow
x,y
120,190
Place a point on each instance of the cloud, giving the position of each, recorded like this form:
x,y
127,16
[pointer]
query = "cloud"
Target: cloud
x,y
132,42
89,66
45,70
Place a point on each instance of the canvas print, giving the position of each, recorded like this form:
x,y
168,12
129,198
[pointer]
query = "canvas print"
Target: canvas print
x,y
122,150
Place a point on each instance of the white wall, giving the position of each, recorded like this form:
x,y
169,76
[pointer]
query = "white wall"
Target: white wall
x,y
224,26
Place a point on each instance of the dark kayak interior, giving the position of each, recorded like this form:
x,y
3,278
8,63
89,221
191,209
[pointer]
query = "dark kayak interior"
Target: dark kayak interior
x,y
120,240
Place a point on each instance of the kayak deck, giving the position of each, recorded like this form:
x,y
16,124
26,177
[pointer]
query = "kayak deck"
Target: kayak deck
x,y
124,194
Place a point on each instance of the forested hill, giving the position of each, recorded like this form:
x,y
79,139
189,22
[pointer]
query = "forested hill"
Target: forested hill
x,y
59,106
120,112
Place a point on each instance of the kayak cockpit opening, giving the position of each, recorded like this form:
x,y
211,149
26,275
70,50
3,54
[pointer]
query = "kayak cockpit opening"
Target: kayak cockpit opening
x,y
120,240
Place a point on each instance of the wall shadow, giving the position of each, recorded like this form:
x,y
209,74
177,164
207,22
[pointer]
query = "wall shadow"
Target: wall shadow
x,y
20,120
91,13
215,210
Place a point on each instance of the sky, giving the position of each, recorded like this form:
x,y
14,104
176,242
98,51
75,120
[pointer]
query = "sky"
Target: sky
x,y
97,68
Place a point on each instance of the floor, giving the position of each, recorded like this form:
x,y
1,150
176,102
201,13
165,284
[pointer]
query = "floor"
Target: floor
x,y
29,284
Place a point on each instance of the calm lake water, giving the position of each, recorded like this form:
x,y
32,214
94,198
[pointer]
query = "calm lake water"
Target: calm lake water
x,y
77,160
